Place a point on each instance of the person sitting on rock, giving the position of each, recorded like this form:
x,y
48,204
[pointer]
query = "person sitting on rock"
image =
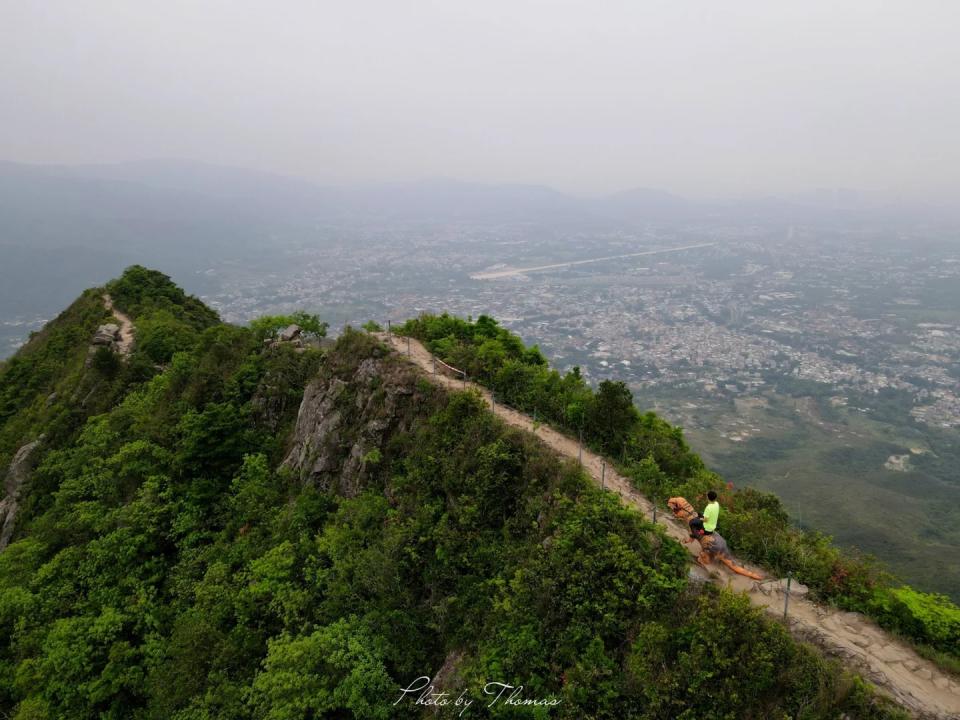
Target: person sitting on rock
x,y
711,513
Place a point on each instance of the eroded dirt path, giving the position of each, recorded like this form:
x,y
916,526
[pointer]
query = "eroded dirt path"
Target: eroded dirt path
x,y
125,344
893,666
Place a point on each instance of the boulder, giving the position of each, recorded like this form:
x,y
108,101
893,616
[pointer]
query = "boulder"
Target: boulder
x,y
290,333
106,334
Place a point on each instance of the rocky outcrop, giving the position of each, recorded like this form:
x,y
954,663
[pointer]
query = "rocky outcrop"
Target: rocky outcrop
x,y
291,335
14,483
344,424
107,336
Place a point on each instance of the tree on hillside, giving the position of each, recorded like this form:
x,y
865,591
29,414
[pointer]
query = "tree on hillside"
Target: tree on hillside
x,y
611,415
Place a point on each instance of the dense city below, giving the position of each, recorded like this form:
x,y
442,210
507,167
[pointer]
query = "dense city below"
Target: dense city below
x,y
820,363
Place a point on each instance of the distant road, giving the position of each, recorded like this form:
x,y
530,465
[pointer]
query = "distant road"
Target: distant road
x,y
494,274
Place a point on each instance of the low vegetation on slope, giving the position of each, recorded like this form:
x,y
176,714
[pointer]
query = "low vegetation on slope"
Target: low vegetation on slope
x,y
43,386
169,568
51,385
660,463
167,565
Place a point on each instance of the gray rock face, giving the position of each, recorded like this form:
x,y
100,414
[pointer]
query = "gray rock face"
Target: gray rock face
x,y
107,334
341,422
317,421
14,483
289,333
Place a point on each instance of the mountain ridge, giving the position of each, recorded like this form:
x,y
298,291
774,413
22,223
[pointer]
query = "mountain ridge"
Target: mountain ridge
x,y
893,666
168,564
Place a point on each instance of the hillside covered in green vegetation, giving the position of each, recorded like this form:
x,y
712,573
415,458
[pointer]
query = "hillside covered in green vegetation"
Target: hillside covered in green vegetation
x,y
226,525
660,463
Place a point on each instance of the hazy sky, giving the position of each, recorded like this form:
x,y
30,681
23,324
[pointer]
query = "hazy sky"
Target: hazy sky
x,y
698,97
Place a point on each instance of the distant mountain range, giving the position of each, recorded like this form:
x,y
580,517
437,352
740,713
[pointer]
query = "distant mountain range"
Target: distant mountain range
x,y
179,190
63,228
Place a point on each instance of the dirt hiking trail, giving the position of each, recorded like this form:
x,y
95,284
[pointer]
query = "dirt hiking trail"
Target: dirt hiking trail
x,y
893,666
125,344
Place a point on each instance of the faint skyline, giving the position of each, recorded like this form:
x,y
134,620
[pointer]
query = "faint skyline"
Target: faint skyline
x,y
701,99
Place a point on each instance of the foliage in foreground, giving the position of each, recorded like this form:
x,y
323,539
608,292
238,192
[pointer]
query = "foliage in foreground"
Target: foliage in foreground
x,y
660,463
168,570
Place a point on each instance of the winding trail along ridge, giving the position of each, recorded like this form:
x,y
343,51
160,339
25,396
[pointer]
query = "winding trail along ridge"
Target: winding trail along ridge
x,y
125,343
892,665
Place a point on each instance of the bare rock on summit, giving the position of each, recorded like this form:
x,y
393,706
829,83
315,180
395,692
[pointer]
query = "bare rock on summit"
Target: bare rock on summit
x,y
107,334
292,335
289,333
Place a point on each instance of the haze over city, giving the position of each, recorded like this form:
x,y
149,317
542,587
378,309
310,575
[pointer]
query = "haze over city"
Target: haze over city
x,y
702,100
608,353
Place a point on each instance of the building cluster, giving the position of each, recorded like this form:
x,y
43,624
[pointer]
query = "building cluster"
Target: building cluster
x,y
734,319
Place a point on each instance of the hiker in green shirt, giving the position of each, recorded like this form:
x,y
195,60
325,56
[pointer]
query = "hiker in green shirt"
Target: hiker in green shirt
x,y
711,513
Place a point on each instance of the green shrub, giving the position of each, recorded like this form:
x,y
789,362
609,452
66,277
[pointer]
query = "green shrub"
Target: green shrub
x,y
105,362
658,461
930,618
269,325
171,570
140,291
520,377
